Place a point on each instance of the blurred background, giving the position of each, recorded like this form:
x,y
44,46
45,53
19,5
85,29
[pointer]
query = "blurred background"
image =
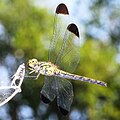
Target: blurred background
x,y
26,28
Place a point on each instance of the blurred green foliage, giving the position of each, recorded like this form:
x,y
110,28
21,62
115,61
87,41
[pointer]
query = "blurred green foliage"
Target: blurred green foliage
x,y
27,33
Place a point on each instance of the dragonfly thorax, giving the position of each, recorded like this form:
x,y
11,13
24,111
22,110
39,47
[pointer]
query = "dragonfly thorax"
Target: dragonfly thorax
x,y
47,68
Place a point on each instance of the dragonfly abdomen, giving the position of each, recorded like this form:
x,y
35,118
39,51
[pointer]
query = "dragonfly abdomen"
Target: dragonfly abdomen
x,y
67,75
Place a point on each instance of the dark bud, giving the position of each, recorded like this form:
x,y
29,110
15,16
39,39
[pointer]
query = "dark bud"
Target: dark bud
x,y
62,9
73,28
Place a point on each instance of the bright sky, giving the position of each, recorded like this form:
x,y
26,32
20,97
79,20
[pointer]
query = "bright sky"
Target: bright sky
x,y
53,3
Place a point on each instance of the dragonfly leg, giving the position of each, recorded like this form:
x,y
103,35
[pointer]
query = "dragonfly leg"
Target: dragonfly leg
x,y
30,76
31,71
37,76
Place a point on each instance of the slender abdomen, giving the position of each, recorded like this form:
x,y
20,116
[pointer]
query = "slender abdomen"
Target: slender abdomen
x,y
67,75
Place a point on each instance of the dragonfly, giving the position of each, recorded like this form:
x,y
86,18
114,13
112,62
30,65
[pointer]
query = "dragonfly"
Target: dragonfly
x,y
14,87
63,58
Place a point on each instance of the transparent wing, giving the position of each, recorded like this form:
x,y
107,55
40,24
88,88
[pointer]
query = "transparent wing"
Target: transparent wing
x,y
58,32
69,55
48,92
62,88
64,52
64,95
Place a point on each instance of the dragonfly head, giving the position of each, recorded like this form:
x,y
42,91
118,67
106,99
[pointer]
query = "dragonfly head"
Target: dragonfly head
x,y
33,64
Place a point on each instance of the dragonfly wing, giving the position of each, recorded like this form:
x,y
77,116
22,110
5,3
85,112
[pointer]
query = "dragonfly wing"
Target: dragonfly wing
x,y
54,86
48,92
69,55
64,95
55,43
